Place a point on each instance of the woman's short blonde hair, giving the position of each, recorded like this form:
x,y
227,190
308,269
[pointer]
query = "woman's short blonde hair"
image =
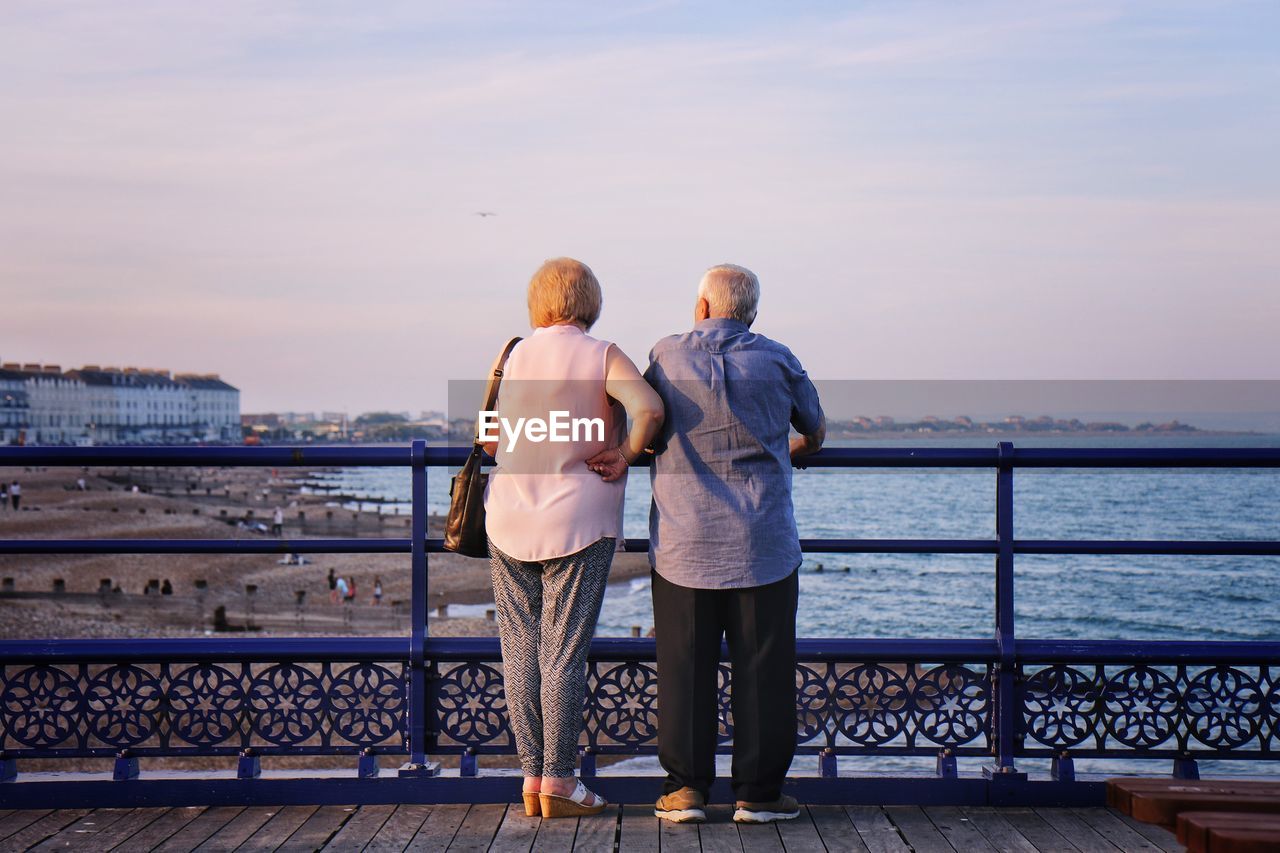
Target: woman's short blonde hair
x,y
564,291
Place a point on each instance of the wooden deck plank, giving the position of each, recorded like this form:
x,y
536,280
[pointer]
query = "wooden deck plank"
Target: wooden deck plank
x,y
124,829
639,831
759,838
555,835
838,832
1000,833
399,829
198,831
323,824
238,830
38,830
678,837
478,828
440,827
876,830
720,834
958,828
16,820
800,835
1157,835
274,832
516,833
919,830
81,833
1042,836
155,832
1114,830
1075,830
359,830
598,833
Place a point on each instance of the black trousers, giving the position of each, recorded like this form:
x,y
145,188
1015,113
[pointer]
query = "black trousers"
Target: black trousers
x,y
759,624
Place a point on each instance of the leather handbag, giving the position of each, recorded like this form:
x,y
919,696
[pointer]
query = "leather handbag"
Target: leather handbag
x,y
464,531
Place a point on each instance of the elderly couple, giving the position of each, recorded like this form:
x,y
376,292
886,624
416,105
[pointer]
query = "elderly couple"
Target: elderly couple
x,y
716,406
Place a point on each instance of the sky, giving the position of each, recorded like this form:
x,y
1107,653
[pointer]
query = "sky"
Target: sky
x,y
285,192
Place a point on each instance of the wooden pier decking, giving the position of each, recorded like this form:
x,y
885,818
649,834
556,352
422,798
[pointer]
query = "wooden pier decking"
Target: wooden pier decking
x,y
625,829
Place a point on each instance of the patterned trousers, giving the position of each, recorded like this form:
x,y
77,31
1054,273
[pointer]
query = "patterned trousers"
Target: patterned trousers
x,y
547,613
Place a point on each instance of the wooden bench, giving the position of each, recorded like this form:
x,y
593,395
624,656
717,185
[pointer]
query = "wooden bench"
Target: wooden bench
x,y
1209,815
1228,832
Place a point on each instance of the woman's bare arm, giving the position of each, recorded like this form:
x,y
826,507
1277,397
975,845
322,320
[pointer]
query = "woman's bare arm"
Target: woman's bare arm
x,y
624,383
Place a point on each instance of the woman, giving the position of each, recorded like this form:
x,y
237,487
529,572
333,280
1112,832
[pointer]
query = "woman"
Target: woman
x,y
553,516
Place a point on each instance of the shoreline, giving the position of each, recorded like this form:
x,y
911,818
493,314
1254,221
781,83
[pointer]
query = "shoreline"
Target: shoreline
x,y
120,595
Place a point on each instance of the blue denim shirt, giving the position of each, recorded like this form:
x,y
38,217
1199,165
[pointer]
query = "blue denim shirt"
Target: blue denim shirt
x,y
721,516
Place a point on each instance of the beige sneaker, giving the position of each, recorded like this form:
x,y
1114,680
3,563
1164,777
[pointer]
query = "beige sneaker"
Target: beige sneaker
x,y
683,806
783,808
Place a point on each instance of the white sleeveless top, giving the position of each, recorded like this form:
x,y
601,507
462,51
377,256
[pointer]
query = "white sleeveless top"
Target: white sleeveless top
x,y
542,500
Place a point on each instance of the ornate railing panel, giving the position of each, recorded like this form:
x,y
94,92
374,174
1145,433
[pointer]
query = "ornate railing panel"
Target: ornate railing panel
x,y
201,708
1128,710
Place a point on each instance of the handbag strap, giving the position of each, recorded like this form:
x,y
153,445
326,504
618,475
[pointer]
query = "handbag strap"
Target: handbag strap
x,y
491,389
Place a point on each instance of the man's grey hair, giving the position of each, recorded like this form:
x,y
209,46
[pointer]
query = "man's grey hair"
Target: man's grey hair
x,y
731,291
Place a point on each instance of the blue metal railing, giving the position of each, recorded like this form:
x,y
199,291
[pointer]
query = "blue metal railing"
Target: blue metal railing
x,y
418,696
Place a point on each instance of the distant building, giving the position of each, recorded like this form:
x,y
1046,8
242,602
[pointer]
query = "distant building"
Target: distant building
x,y
40,404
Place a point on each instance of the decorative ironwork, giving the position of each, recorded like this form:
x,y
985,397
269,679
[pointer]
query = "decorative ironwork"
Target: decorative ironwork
x,y
471,705
622,704
1111,710
122,703
905,708
41,705
366,702
207,708
206,702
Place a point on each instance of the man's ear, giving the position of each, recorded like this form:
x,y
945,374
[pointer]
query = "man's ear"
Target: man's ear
x,y
702,310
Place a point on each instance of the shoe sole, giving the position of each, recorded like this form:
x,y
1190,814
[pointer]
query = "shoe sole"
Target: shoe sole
x,y
681,815
745,816
553,806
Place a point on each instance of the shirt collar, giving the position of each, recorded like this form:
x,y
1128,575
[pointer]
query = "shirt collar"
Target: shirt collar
x,y
726,323
559,328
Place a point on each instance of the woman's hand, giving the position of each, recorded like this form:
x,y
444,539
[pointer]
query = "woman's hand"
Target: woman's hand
x,y
610,464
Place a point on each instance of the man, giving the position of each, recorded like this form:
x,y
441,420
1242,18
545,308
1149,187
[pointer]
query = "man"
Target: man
x,y
725,550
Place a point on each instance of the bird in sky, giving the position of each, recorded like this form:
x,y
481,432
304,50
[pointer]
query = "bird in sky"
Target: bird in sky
x,y
485,213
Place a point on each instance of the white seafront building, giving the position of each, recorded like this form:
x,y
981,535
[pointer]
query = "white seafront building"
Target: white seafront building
x,y
41,404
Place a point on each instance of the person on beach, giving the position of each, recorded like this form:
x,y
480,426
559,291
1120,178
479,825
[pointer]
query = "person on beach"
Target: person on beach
x,y
15,494
333,587
277,522
377,590
553,517
4,496
724,549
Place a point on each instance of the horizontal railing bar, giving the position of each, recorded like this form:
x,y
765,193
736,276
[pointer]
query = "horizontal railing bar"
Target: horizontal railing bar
x,y
831,457
809,649
1146,457
1157,652
872,546
1170,547
207,650
368,545
214,457
373,545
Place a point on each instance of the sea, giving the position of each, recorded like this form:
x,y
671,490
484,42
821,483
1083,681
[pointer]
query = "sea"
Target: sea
x,y
952,596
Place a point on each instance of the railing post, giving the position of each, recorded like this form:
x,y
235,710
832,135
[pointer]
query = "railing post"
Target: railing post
x,y
417,676
1006,672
